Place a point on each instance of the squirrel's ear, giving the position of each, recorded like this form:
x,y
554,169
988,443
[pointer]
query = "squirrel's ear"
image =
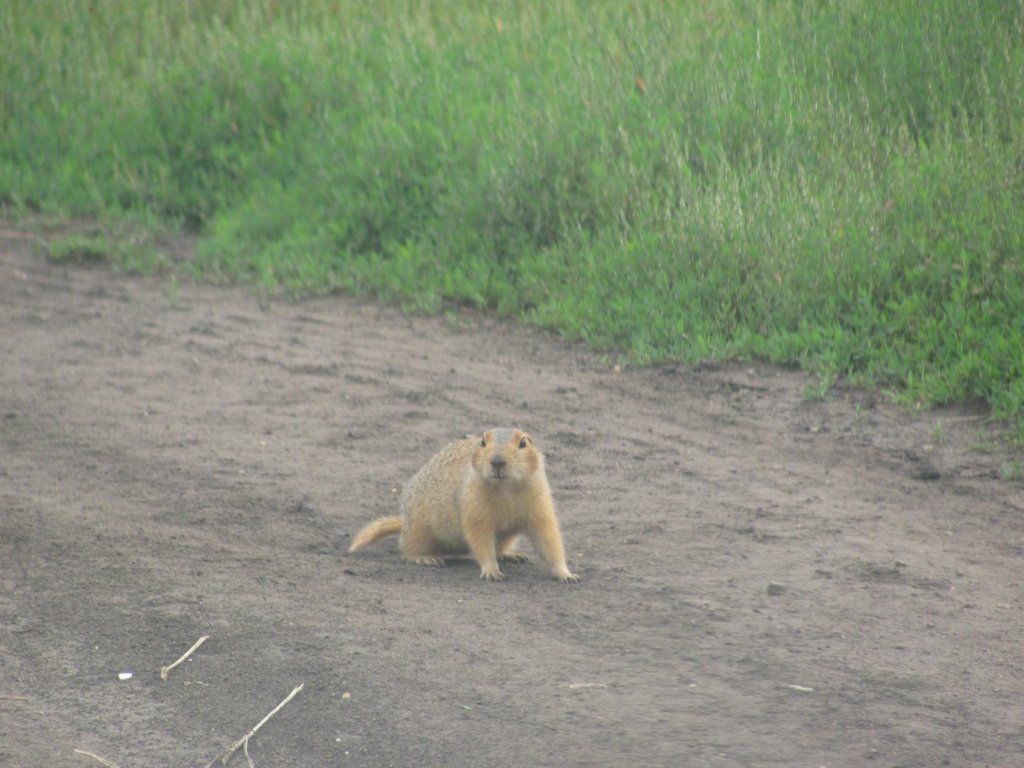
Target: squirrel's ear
x,y
483,440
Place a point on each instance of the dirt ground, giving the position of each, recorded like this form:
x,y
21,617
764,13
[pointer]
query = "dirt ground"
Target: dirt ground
x,y
767,579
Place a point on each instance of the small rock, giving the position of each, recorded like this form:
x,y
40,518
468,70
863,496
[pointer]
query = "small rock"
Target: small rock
x,y
774,589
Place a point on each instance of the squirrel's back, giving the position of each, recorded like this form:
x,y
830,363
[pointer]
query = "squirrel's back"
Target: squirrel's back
x,y
434,489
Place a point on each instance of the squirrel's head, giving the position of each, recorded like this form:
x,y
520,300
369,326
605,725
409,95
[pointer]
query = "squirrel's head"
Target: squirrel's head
x,y
507,457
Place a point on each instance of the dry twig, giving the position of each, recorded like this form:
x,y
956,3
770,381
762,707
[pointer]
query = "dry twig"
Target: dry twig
x,y
90,754
244,741
165,671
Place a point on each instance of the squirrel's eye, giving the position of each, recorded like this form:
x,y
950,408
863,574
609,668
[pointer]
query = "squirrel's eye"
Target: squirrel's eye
x,y
483,442
522,443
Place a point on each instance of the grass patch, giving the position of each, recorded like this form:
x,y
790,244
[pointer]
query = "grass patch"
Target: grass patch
x,y
831,184
77,249
126,243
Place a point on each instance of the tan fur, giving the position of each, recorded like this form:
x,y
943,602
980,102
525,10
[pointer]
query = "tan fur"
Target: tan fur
x,y
378,529
475,496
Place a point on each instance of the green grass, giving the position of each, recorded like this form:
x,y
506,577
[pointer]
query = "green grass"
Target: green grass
x,y
834,184
131,246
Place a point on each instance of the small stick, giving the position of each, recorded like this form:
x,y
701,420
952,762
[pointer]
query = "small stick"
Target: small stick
x,y
165,671
244,741
90,754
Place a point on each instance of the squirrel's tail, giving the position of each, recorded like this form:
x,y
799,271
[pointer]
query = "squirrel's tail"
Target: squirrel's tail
x,y
378,529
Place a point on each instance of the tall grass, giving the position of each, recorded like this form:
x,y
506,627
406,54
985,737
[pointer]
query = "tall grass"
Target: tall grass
x,y
837,184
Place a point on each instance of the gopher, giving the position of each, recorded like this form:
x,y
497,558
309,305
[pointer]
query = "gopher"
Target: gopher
x,y
475,496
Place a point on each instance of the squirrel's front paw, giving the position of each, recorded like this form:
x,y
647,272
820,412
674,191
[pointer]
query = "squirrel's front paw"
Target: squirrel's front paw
x,y
492,574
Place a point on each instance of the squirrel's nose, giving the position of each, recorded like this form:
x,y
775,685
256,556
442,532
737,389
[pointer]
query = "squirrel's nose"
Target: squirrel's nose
x,y
498,461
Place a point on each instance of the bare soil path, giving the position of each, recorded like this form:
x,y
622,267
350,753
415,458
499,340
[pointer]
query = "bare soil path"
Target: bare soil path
x,y
767,580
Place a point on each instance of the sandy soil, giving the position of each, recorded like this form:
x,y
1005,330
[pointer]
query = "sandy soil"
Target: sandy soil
x,y
767,579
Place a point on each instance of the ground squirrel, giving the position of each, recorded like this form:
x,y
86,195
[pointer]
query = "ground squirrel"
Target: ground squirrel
x,y
475,496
